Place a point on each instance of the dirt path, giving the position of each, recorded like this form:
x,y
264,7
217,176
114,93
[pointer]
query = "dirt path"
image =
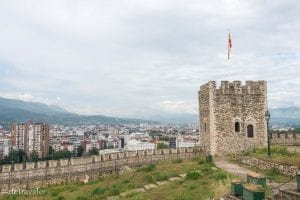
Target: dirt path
x,y
233,168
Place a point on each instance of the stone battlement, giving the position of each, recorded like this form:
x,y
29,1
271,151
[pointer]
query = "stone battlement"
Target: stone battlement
x,y
90,159
52,172
237,88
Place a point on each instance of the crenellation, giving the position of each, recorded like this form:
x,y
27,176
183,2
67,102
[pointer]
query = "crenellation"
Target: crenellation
x,y
63,162
41,164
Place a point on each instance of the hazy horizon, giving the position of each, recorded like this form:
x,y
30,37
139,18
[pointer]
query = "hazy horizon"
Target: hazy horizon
x,y
142,58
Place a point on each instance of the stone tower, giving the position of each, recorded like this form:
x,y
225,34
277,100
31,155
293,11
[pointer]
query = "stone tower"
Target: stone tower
x,y
232,116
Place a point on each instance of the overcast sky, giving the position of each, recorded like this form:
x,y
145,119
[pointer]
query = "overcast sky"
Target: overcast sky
x,y
138,58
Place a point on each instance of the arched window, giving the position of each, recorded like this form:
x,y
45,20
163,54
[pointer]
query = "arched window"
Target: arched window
x,y
237,127
250,131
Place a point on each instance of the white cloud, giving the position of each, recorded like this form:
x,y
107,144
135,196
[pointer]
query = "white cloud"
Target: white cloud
x,y
132,58
176,107
25,97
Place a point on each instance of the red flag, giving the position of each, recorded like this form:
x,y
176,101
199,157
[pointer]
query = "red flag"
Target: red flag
x,y
229,45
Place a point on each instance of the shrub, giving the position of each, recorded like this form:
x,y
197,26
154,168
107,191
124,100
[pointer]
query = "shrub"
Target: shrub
x,y
131,186
147,168
206,168
160,177
162,146
149,178
220,175
194,175
98,191
272,173
114,190
125,181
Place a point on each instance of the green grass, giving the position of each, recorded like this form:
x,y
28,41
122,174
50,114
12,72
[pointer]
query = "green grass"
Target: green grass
x,y
194,175
279,154
274,175
203,181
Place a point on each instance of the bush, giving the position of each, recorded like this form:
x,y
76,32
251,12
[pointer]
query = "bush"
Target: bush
x,y
149,178
194,175
206,168
220,175
160,177
147,168
125,181
272,173
98,191
114,190
162,146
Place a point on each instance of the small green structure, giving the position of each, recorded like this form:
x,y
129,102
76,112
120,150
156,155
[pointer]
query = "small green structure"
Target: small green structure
x,y
253,192
236,188
298,181
256,178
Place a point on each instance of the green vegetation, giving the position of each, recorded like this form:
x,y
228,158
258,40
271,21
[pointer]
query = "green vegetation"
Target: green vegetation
x,y
162,146
94,151
203,181
14,156
274,174
194,175
279,154
19,156
34,156
147,168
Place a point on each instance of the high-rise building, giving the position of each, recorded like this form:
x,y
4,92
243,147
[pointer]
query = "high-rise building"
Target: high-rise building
x,y
31,137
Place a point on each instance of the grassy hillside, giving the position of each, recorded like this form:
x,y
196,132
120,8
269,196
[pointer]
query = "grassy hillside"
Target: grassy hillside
x,y
203,181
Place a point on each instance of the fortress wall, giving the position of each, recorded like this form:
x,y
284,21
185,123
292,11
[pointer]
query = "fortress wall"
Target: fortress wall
x,y
41,174
288,139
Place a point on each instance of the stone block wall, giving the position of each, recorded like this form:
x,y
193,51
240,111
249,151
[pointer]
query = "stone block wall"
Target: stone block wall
x,y
44,173
286,170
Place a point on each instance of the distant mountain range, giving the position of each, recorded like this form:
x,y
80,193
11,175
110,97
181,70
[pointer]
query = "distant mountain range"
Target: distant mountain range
x,y
286,116
12,110
289,116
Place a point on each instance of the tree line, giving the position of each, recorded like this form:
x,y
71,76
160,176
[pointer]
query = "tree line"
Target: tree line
x,y
19,156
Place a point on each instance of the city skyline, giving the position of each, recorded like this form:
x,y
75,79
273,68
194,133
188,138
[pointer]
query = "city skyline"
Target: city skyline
x,y
143,58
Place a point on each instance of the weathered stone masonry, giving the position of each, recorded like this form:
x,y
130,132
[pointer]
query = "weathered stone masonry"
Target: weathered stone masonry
x,y
232,117
44,173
